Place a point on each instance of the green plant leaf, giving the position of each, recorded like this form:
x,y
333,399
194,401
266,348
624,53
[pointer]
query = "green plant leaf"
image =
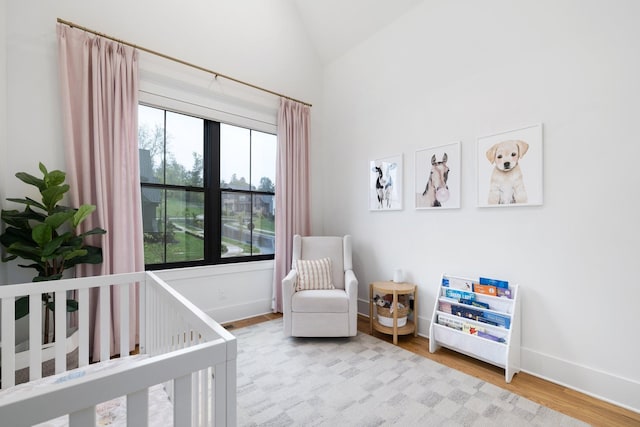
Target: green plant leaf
x,y
9,258
52,195
74,254
57,219
27,201
72,305
82,213
26,214
42,234
16,235
93,231
31,180
42,168
55,177
93,256
29,252
15,218
21,307
49,250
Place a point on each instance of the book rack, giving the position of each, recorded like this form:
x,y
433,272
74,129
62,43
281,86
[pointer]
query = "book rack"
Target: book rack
x,y
470,318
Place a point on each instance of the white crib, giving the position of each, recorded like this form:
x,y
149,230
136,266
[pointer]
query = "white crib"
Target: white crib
x,y
191,356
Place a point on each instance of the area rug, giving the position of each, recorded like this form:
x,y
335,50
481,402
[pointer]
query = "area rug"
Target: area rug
x,y
364,381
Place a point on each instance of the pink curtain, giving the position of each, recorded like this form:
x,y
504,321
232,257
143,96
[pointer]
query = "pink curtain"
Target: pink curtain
x,y
292,187
99,89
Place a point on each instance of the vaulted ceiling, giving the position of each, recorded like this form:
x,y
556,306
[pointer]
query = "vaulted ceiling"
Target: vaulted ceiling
x,y
336,26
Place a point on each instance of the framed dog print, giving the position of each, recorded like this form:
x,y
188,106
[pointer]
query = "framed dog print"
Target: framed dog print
x,y
510,168
385,184
437,176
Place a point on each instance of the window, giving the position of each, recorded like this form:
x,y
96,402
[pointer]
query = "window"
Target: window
x,y
208,190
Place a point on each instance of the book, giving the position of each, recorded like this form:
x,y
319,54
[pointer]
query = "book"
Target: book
x,y
491,337
444,306
471,329
499,319
487,321
466,312
494,282
459,294
451,323
504,292
485,289
473,302
457,283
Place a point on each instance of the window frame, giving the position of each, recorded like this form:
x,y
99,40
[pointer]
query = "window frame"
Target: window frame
x,y
212,195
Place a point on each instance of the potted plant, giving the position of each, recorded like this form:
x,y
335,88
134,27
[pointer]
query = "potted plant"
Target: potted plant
x,y
44,233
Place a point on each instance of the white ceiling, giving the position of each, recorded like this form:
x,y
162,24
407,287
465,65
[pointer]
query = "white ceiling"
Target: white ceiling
x,y
336,26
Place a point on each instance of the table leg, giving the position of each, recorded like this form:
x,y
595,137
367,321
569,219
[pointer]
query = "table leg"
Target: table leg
x,y
371,308
394,306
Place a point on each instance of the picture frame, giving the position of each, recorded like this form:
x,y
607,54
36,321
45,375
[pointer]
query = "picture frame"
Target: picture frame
x,y
500,182
385,184
438,177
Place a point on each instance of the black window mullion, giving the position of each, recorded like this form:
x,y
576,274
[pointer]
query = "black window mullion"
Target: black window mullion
x,y
164,182
213,195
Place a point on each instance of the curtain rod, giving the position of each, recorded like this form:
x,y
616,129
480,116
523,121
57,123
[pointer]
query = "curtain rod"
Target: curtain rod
x,y
179,61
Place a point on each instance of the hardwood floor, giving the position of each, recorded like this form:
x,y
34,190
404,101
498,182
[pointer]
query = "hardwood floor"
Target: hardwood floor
x,y
560,398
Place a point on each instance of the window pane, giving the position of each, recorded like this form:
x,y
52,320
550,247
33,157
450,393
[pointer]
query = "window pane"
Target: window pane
x,y
247,224
235,157
185,229
263,224
236,221
151,144
153,225
263,161
185,136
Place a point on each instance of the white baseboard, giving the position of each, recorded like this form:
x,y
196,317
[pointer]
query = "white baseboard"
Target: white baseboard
x,y
601,385
232,313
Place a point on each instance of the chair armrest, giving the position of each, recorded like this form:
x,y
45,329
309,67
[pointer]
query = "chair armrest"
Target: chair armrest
x,y
350,283
288,289
351,288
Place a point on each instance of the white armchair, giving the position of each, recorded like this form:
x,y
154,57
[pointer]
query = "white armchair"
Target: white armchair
x,y
321,312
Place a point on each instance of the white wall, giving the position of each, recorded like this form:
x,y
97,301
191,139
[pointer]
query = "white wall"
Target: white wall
x,y
454,71
226,292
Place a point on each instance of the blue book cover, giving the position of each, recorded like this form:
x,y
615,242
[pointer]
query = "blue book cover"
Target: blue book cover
x,y
494,282
466,312
458,294
498,319
474,303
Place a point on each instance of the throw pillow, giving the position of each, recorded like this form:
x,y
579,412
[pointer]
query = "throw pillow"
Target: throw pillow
x,y
314,274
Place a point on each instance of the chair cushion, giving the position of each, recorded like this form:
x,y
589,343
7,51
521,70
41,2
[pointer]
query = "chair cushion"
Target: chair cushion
x,y
320,301
314,274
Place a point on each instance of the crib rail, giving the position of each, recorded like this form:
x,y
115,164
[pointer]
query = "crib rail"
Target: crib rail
x,y
189,351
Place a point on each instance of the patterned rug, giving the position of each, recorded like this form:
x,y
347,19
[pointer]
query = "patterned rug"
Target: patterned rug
x,y
364,381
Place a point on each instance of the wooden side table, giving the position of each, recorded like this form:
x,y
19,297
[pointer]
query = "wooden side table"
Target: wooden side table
x,y
396,289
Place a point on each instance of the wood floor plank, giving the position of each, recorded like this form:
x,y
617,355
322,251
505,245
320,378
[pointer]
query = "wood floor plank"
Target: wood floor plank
x,y
562,399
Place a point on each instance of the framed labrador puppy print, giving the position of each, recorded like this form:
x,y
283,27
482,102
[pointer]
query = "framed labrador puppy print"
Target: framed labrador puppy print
x,y
509,166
